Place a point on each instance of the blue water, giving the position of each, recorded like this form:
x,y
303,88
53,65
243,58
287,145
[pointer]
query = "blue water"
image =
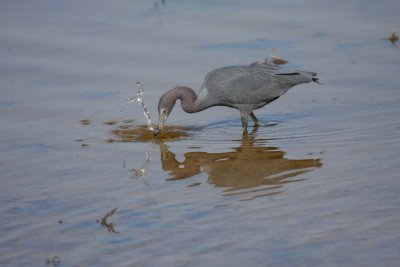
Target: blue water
x,y
316,185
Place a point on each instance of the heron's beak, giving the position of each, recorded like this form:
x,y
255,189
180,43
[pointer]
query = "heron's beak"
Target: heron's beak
x,y
162,118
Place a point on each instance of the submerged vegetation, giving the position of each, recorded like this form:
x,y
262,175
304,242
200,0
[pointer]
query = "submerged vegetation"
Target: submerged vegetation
x,y
110,226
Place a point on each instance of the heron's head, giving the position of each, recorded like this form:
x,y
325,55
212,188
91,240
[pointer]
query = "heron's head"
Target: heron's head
x,y
165,106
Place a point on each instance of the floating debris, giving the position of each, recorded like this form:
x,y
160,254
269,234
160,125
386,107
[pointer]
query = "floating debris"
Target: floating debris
x,y
85,122
275,58
110,141
108,225
110,122
272,59
55,261
394,38
278,61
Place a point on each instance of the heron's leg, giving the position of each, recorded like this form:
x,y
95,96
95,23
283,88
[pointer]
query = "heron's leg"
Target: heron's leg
x,y
244,128
244,117
256,121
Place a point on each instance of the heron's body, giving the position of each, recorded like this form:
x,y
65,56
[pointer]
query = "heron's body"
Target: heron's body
x,y
242,87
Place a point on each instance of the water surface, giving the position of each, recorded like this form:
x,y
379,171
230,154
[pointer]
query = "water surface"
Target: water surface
x,y
83,183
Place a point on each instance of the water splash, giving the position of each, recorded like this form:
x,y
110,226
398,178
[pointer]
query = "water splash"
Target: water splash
x,y
139,99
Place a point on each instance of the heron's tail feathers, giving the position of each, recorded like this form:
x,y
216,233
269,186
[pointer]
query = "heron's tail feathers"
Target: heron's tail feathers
x,y
316,80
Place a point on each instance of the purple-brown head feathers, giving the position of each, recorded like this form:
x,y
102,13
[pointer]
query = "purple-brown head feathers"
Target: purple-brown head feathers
x,y
165,106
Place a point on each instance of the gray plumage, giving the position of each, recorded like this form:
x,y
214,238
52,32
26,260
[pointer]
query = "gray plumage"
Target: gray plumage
x,y
242,87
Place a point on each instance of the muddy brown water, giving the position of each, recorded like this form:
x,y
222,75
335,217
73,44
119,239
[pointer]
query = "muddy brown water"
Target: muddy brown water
x,y
84,183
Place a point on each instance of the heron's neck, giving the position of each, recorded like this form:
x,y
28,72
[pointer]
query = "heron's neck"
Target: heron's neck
x,y
188,99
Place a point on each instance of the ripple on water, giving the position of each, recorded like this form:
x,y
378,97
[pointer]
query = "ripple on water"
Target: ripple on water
x,y
249,166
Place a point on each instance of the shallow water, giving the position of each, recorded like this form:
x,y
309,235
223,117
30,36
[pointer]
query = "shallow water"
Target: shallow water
x,y
83,182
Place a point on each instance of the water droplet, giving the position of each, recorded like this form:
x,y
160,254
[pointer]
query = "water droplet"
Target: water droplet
x,y
139,98
131,99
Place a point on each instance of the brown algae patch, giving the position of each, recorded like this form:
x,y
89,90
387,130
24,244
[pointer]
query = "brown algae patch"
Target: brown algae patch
x,y
126,131
110,122
55,261
141,133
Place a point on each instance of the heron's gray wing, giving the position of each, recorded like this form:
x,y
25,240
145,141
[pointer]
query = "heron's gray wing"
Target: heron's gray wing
x,y
242,85
283,77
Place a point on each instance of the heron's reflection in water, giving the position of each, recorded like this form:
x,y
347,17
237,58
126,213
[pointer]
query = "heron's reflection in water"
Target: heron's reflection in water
x,y
250,167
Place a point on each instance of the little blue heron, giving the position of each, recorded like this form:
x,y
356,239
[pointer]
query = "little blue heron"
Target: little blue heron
x,y
241,87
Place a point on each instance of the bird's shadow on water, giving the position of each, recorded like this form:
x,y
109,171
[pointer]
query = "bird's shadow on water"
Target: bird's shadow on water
x,y
251,166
